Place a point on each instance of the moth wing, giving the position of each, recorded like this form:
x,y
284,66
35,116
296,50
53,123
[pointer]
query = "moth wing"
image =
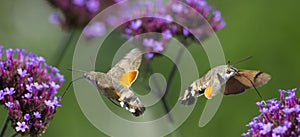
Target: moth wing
x,y
212,89
257,78
245,79
208,91
126,70
233,86
128,78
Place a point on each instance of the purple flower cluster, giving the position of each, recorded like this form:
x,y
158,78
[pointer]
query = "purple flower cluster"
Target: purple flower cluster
x,y
28,90
77,13
168,28
278,118
178,19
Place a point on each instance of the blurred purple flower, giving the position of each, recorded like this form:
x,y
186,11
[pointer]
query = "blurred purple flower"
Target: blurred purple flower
x,y
277,118
136,24
93,5
28,74
54,18
77,13
164,23
96,29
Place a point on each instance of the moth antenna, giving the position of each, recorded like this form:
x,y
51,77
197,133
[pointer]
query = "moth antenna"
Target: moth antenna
x,y
242,60
228,62
255,89
69,85
76,70
114,103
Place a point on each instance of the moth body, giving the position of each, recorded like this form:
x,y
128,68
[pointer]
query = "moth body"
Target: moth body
x,y
225,79
115,84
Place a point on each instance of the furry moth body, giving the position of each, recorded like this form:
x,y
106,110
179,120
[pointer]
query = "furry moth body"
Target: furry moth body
x,y
225,79
115,84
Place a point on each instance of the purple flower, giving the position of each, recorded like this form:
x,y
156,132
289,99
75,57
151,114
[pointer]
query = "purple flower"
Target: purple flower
x,y
44,85
287,124
56,101
26,117
148,42
185,32
49,103
54,18
2,95
112,20
21,127
37,86
95,30
280,130
30,79
60,77
28,95
37,115
136,24
29,88
21,72
9,91
167,34
77,13
288,110
93,5
264,110
153,45
298,118
78,2
278,118
9,104
266,128
23,97
177,8
166,14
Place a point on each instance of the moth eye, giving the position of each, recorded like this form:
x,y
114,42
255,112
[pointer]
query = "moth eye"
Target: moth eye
x,y
228,71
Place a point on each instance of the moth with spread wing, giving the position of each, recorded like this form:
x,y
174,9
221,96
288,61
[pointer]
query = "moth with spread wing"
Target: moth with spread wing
x,y
115,84
225,79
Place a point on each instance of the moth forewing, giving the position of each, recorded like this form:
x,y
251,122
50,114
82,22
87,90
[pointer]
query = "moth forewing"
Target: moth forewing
x,y
131,62
252,78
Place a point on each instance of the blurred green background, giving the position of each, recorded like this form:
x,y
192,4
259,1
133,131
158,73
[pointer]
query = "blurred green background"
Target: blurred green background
x,y
267,30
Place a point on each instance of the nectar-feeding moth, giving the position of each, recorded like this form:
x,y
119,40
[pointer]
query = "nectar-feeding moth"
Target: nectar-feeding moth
x,y
115,84
225,79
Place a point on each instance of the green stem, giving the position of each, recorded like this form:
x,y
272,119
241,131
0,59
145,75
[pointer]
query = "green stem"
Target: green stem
x,y
4,127
170,80
61,50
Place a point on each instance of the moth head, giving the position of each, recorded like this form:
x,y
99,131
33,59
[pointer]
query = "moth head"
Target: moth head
x,y
230,71
90,75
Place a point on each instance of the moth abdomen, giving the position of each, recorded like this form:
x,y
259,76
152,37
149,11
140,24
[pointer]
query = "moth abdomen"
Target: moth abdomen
x,y
187,101
135,108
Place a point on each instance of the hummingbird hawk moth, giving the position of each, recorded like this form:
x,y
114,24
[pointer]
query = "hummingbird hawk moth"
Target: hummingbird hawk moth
x,y
115,84
225,79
